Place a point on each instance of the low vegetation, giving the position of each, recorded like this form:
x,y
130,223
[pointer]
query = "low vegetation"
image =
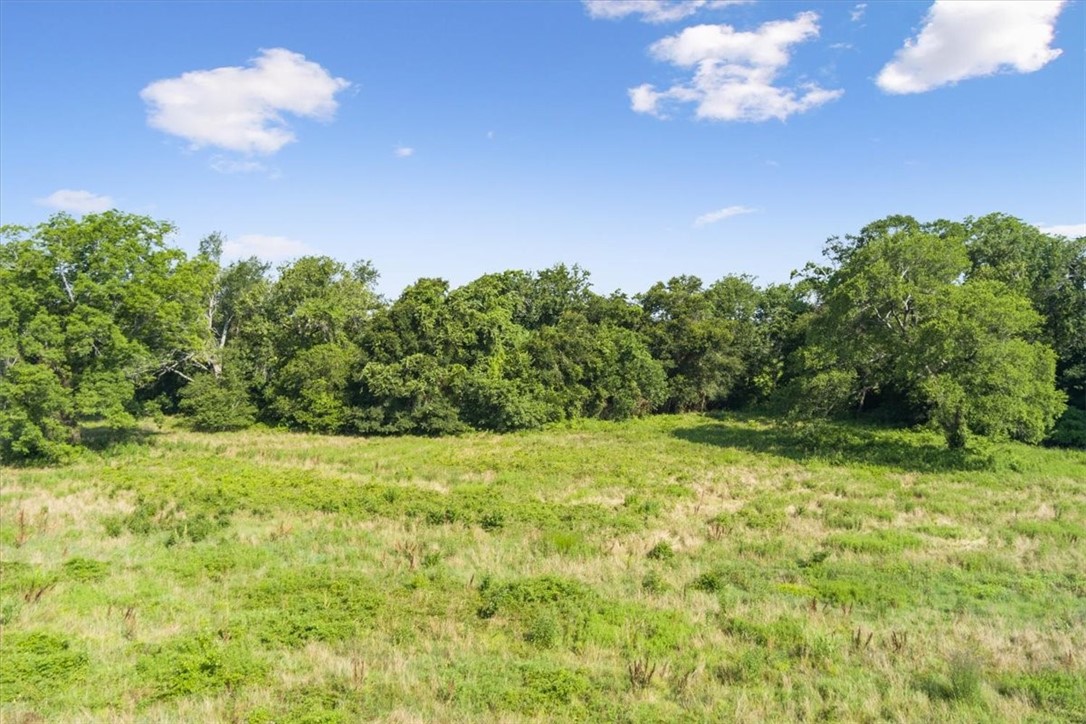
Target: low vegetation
x,y
669,568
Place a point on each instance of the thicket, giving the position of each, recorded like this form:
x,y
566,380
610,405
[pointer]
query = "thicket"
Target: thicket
x,y
975,327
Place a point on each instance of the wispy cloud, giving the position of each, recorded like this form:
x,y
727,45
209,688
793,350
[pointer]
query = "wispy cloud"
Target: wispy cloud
x,y
269,248
735,72
78,202
241,109
653,11
222,164
857,13
961,40
403,151
1071,231
720,214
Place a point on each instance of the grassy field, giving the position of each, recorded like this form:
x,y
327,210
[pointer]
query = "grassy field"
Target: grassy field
x,y
668,569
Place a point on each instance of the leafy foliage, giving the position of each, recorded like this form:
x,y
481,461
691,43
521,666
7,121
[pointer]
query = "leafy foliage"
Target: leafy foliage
x,y
37,661
897,325
218,403
91,311
972,327
198,664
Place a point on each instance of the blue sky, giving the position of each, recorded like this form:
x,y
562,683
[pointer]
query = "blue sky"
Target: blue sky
x,y
451,139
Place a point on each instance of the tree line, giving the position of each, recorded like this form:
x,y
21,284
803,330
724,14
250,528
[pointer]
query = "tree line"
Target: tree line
x,y
976,327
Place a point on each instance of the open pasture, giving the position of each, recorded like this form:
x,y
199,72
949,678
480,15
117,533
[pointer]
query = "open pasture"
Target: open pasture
x,y
675,568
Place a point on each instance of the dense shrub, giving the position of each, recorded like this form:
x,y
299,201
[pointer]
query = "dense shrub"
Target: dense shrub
x,y
200,664
36,662
217,403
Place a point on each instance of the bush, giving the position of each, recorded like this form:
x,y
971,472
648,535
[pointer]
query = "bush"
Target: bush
x,y
545,687
415,395
662,551
196,665
961,684
488,403
561,595
314,604
33,408
653,582
148,518
542,629
217,403
708,582
36,663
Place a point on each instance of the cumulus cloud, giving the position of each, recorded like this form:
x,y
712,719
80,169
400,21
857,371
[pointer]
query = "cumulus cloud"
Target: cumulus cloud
x,y
653,11
241,109
78,202
735,73
268,248
1071,231
961,40
719,215
403,151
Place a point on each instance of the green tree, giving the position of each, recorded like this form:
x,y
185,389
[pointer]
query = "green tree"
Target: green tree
x,y
314,315
972,366
768,326
1048,270
694,343
93,311
896,321
234,298
873,299
410,381
414,395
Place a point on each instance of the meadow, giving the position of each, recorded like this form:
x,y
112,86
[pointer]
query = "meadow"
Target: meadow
x,y
673,568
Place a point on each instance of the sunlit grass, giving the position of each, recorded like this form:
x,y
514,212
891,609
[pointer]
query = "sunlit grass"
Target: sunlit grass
x,y
670,568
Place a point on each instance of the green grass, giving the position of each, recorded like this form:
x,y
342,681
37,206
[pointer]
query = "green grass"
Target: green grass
x,y
677,568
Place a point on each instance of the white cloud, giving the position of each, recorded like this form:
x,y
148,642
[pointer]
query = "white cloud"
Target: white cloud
x,y
78,202
269,248
1071,231
403,151
858,11
962,40
719,215
240,109
222,164
653,11
735,72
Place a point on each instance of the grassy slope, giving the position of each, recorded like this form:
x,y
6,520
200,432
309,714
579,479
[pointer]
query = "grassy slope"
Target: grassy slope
x,y
665,569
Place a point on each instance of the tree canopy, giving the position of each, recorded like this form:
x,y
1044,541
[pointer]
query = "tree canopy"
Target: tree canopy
x,y
975,327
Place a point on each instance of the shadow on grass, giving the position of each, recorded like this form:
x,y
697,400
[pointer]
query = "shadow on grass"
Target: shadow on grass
x,y
101,438
837,442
